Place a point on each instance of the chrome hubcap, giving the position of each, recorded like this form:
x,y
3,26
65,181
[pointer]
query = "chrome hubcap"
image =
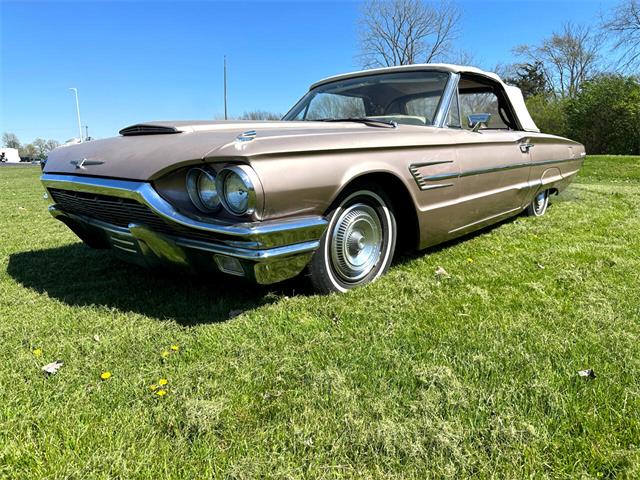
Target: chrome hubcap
x,y
357,242
540,202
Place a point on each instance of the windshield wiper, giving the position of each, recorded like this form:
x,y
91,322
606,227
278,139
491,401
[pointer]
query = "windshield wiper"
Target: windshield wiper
x,y
366,120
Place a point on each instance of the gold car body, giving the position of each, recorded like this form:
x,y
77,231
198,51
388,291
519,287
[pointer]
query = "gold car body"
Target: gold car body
x,y
127,193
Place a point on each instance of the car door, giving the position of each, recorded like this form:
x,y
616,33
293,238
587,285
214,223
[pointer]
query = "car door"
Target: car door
x,y
494,165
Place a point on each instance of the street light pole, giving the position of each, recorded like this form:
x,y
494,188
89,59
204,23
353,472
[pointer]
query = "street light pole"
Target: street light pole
x,y
75,90
225,87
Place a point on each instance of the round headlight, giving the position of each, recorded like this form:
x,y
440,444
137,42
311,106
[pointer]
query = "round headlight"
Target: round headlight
x,y
202,190
237,190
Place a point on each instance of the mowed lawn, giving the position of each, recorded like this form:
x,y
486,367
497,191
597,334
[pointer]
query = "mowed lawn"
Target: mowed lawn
x,y
415,376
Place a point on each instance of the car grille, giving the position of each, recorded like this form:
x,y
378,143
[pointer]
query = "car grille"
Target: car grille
x,y
119,212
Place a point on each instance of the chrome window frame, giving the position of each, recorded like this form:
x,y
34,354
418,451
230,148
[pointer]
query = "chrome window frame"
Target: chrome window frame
x,y
449,90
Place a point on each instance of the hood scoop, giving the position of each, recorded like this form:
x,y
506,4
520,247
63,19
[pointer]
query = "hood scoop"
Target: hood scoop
x,y
147,129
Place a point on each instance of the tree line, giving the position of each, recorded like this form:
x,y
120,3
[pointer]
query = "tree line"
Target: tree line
x,y
570,83
581,82
36,150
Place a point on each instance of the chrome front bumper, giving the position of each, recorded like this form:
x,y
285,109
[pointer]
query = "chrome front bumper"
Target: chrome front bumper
x,y
266,252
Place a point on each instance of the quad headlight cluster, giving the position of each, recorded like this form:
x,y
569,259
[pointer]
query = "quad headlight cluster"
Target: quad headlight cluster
x,y
233,188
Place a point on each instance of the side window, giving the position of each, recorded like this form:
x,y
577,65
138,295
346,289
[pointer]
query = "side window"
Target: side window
x,y
453,117
481,102
423,107
330,105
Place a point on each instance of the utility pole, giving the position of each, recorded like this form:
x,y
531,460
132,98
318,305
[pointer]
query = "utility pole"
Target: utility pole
x,y
225,87
75,90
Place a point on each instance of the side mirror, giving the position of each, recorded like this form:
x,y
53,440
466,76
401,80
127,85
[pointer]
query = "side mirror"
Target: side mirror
x,y
478,119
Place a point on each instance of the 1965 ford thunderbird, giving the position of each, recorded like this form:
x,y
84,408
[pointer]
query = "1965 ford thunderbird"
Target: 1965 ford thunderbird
x,y
364,163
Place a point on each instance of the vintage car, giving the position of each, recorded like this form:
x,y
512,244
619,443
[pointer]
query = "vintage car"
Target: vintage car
x,y
364,164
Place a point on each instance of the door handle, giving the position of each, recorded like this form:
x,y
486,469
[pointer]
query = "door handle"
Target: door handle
x,y
525,147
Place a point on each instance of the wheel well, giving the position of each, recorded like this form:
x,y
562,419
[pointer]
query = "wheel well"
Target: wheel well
x,y
553,191
403,206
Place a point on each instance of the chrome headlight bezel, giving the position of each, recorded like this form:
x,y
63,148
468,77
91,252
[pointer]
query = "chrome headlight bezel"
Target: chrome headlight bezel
x,y
194,190
250,180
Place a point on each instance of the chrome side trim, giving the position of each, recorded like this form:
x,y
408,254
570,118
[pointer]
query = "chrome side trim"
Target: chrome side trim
x,y
266,234
480,171
421,181
436,186
440,176
514,166
499,168
428,164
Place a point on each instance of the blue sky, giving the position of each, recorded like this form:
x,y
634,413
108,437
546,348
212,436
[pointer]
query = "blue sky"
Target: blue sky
x,y
136,61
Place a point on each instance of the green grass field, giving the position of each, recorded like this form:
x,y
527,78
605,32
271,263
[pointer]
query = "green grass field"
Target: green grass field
x,y
411,377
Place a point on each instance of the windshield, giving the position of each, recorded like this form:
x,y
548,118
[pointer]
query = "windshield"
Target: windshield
x,y
402,97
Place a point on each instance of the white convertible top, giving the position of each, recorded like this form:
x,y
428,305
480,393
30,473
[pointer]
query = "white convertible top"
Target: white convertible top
x,y
513,93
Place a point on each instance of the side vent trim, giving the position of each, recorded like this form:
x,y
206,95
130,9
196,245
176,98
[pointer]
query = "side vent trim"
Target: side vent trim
x,y
421,180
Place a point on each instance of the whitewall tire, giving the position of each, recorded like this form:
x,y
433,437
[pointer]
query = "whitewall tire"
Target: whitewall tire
x,y
358,244
539,204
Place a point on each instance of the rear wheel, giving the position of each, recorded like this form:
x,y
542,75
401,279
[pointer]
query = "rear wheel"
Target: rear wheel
x,y
538,206
359,242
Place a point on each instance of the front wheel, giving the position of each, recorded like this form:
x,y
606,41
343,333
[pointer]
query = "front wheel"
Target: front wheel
x,y
359,242
538,206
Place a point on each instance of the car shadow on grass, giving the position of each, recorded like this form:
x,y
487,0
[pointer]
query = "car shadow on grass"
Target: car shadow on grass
x,y
80,276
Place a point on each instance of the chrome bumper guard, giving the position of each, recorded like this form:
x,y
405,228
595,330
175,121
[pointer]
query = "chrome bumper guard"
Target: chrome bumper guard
x,y
266,252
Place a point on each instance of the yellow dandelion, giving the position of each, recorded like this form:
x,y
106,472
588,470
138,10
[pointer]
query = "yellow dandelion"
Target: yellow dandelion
x,y
161,393
175,348
37,352
153,387
164,354
105,375
163,381
470,260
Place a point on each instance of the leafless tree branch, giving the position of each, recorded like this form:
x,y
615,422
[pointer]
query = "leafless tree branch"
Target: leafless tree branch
x,y
567,58
402,32
623,26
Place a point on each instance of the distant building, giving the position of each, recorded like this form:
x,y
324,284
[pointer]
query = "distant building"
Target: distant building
x,y
9,155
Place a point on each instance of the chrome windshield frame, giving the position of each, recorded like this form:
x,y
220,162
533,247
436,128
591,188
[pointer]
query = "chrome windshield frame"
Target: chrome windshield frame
x,y
450,90
439,119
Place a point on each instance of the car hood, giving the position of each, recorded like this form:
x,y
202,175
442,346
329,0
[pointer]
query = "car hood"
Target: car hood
x,y
147,151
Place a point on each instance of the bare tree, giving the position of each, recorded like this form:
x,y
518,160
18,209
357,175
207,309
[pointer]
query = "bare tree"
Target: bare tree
x,y
260,115
402,32
28,152
623,25
43,147
10,140
566,59
52,145
463,57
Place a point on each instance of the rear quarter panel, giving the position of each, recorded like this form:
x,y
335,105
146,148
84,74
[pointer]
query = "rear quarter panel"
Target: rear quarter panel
x,y
555,162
